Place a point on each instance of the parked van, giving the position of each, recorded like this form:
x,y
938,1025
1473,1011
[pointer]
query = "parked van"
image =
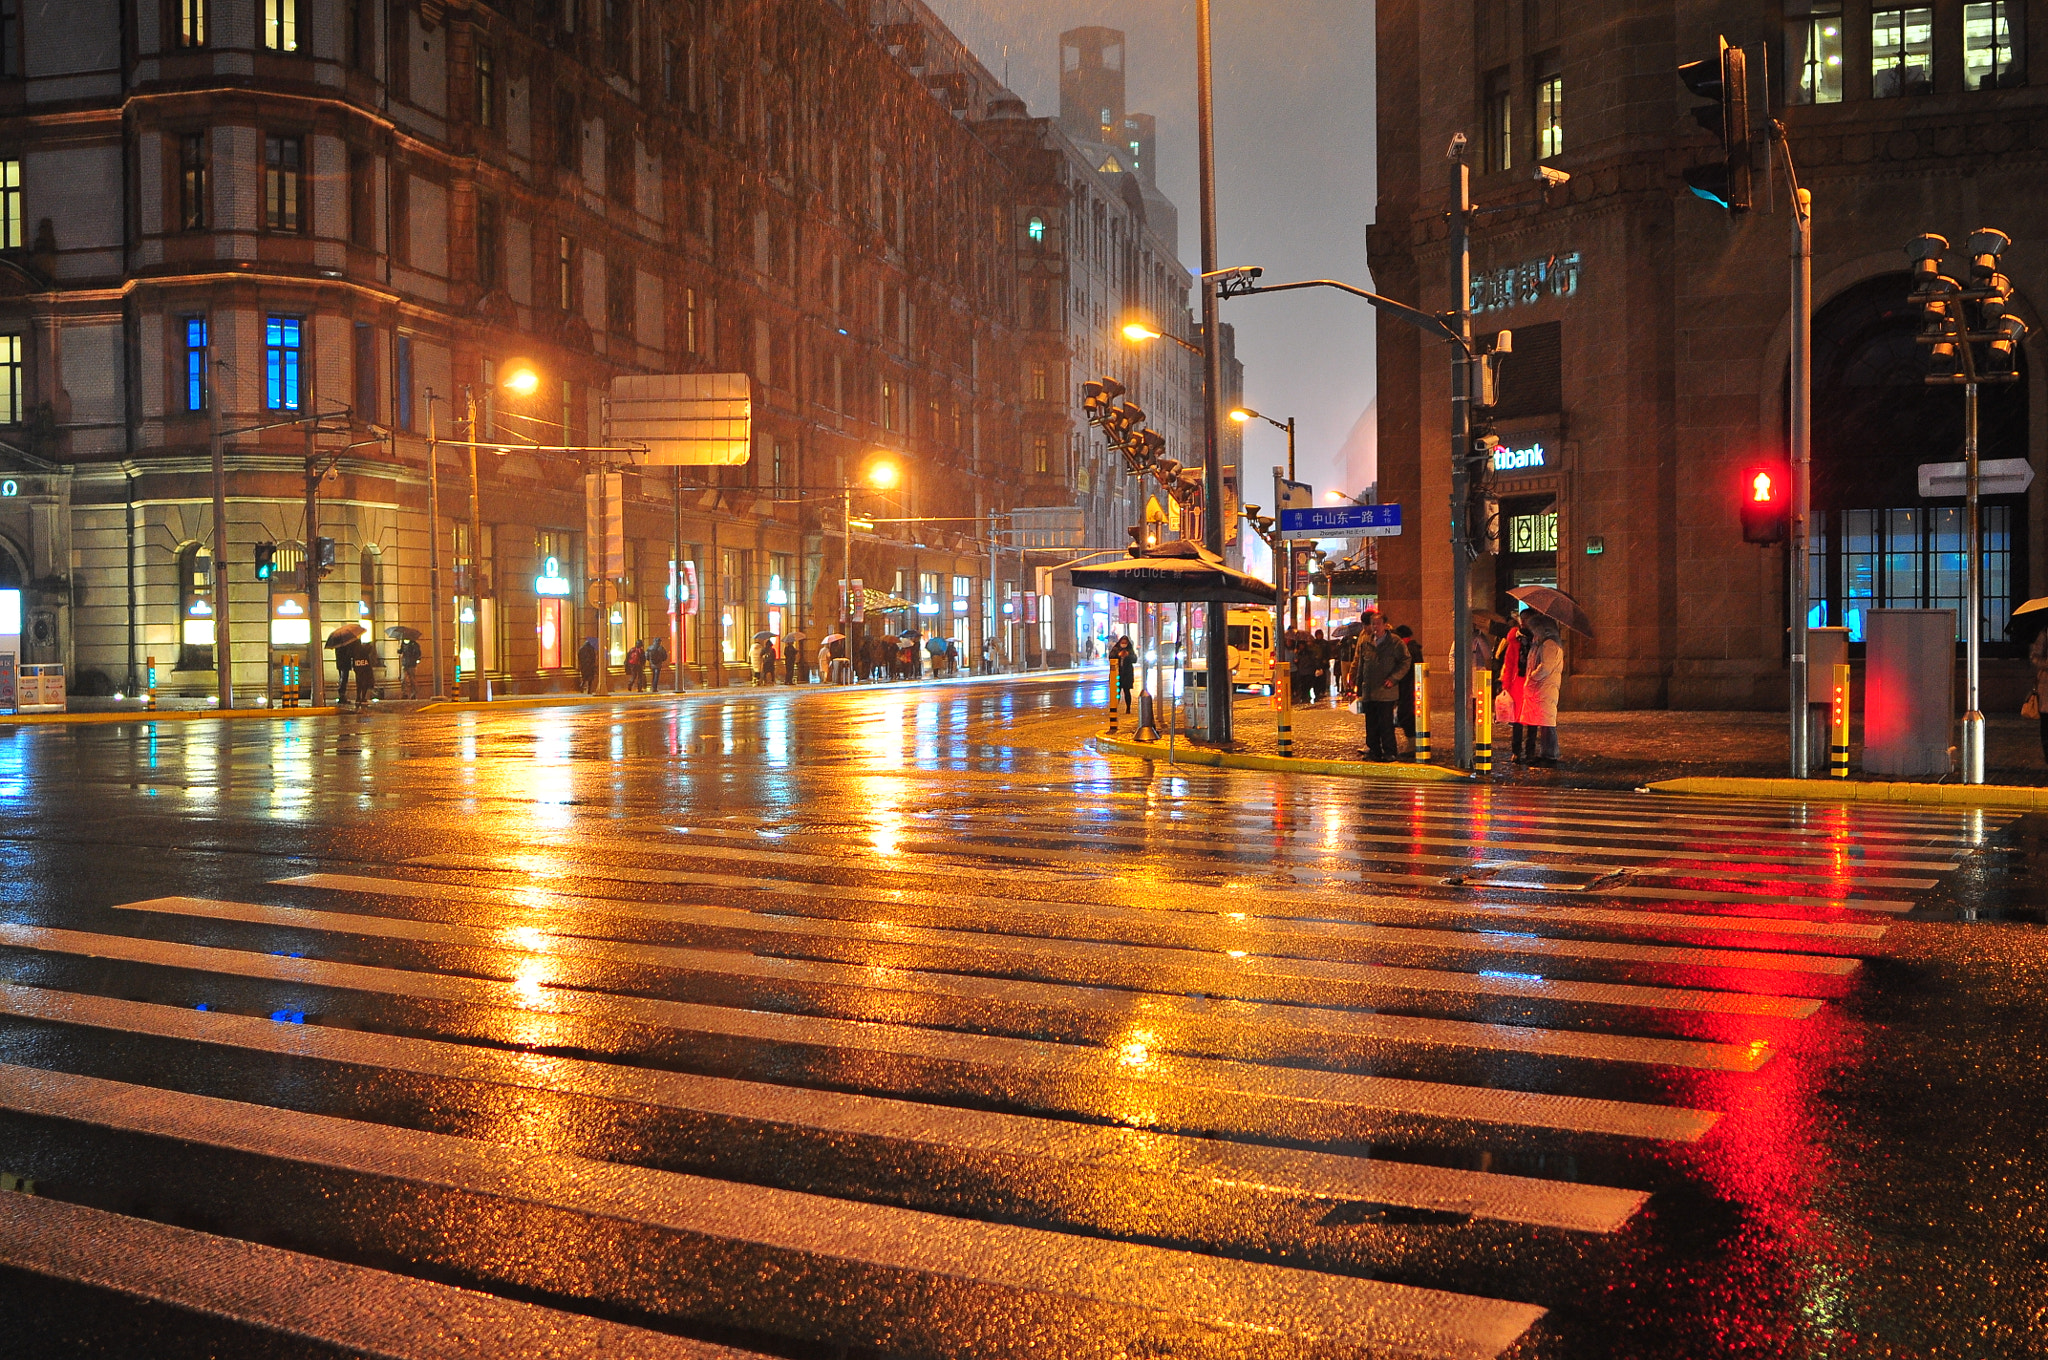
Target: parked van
x,y
1251,650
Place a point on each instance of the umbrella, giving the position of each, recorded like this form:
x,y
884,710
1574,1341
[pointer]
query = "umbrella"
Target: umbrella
x,y
400,633
1176,573
348,632
2033,606
1554,603
764,633
831,638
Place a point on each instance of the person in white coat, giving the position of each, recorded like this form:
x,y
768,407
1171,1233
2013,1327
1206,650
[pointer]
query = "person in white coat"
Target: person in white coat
x,y
1537,711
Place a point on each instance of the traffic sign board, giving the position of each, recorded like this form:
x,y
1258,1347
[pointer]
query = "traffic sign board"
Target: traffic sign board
x,y
1342,521
1995,477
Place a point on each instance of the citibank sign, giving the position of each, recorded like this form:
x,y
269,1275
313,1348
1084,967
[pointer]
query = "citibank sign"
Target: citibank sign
x,y
1506,459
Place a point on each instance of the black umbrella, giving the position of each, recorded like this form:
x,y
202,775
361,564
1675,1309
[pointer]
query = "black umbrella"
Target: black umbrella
x,y
1175,573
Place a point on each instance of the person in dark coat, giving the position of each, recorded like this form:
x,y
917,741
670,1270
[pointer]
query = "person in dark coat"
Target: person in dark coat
x,y
657,658
1404,708
586,665
1382,661
1125,657
363,661
344,666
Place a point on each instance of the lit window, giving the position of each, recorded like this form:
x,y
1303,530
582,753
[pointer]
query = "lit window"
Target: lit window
x,y
565,272
195,609
281,25
1990,61
281,355
10,205
1041,453
1038,382
1037,229
191,23
195,363
10,380
486,85
282,157
1550,117
1901,52
1813,49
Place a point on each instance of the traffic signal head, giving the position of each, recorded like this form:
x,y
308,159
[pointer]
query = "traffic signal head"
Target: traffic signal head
x,y
323,554
1766,516
1723,79
266,560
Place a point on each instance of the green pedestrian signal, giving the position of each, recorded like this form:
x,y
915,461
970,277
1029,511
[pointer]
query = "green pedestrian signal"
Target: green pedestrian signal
x,y
266,560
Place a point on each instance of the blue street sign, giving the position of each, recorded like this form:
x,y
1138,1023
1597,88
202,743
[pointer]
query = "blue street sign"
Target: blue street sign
x,y
1342,521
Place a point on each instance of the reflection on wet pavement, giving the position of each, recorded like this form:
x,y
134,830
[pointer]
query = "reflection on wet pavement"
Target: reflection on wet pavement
x,y
902,1022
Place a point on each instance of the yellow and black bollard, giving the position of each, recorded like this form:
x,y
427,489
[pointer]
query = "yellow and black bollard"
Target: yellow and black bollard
x,y
1838,734
149,683
1482,727
288,680
1112,693
1421,712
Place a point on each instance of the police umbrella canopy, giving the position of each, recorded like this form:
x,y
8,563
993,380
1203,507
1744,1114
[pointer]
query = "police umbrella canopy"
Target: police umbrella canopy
x,y
1180,572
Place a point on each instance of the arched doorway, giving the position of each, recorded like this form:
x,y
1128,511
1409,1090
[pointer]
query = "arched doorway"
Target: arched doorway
x,y
1876,543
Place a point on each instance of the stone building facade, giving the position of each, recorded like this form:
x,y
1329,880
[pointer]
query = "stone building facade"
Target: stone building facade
x,y
1652,328
225,214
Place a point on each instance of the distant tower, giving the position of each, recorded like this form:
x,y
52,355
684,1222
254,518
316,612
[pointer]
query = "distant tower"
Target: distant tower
x,y
1092,85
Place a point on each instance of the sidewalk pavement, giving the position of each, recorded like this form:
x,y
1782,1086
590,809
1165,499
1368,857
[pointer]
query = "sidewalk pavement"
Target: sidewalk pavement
x,y
1626,750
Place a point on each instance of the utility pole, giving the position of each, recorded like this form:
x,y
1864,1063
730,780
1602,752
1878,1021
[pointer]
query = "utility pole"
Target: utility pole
x,y
675,599
309,576
223,656
433,545
1216,613
1802,464
476,557
1461,447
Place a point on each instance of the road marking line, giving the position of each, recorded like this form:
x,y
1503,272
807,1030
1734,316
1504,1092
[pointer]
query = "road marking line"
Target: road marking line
x,y
1197,901
1131,1076
1180,1018
884,1250
310,1298
1167,969
1108,1148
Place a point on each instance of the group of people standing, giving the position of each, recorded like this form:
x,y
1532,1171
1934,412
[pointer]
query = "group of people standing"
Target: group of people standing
x,y
1528,668
645,661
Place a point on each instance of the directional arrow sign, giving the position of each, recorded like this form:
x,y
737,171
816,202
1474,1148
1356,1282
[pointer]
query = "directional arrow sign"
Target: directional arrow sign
x,y
1995,477
1342,521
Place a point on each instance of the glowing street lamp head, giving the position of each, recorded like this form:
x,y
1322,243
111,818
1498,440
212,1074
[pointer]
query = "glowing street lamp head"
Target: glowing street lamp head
x,y
1139,331
884,475
521,380
1243,414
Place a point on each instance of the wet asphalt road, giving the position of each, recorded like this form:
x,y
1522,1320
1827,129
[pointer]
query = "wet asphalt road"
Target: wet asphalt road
x,y
897,1023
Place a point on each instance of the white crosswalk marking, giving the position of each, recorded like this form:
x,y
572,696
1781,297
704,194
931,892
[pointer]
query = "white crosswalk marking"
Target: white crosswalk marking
x,y
1223,1069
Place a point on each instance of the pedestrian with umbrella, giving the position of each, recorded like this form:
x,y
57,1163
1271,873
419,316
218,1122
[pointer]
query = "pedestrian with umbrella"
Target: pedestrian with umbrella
x,y
2036,706
408,661
792,658
762,657
935,647
1547,610
364,661
586,665
343,641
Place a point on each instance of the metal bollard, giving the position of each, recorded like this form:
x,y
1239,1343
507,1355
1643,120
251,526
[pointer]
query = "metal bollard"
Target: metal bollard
x,y
149,683
1482,728
288,680
1421,712
1838,744
1112,696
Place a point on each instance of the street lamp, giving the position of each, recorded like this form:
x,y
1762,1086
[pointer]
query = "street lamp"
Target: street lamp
x,y
1139,331
884,474
1245,413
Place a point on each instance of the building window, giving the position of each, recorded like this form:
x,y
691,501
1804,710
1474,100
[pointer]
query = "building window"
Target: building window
x,y
1991,60
618,35
358,35
487,249
1041,453
191,23
1549,116
195,609
401,382
1901,52
618,298
888,405
1037,383
398,235
1500,129
10,204
1813,52
282,157
618,165
281,354
565,273
281,25
486,86
362,199
192,181
12,397
1037,229
690,320
568,138
366,372
195,363
1911,559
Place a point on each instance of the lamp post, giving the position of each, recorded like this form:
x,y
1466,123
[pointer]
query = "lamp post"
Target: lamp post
x,y
434,542
1283,575
1212,378
223,660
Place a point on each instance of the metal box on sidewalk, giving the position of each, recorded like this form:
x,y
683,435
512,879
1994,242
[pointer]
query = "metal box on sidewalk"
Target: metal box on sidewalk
x,y
1909,692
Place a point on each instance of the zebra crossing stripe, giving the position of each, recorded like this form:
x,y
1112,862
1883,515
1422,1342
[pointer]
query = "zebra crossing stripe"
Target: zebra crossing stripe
x,y
1179,1162
958,1279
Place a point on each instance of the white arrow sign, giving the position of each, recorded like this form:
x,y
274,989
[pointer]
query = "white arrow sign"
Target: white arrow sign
x,y
1995,477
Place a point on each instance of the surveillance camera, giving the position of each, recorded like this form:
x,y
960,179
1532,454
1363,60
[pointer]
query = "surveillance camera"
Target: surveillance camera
x,y
1456,150
1552,178
1243,273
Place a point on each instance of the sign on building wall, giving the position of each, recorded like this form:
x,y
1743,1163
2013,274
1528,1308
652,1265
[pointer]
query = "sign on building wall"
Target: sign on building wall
x,y
1518,285
684,419
604,523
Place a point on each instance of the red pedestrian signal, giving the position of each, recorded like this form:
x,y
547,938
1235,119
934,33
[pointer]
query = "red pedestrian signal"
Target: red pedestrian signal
x,y
1766,516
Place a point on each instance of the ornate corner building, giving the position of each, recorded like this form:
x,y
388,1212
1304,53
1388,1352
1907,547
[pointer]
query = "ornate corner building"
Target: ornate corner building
x,y
1651,329
223,218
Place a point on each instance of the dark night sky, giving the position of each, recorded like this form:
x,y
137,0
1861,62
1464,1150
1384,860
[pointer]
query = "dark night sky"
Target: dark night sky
x,y
1295,178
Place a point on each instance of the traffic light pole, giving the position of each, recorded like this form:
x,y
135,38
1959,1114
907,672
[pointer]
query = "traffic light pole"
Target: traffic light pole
x,y
1216,614
1973,630
309,577
1802,462
1461,449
